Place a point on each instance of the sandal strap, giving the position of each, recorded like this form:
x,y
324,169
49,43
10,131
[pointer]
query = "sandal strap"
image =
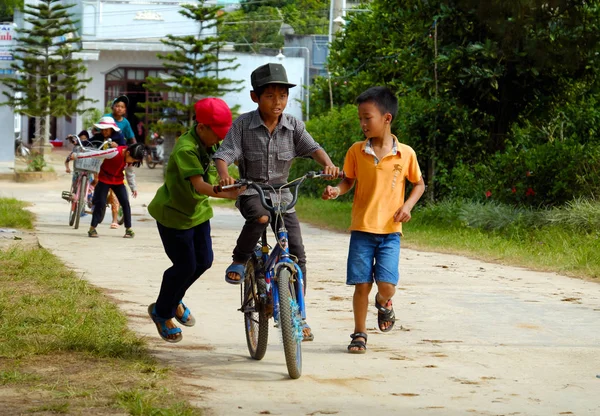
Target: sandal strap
x,y
186,312
358,335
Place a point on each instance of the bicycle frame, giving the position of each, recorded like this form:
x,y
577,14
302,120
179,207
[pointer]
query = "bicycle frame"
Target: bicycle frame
x,y
274,278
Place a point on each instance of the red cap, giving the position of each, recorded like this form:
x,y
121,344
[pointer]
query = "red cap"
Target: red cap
x,y
214,113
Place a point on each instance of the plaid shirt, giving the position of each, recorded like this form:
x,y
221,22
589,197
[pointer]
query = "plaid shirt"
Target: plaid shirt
x,y
262,156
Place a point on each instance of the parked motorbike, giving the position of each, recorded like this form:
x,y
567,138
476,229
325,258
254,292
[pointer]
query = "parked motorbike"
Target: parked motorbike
x,y
156,153
21,149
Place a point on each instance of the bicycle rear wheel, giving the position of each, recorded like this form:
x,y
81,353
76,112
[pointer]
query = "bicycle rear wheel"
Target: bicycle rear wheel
x,y
256,320
81,199
291,322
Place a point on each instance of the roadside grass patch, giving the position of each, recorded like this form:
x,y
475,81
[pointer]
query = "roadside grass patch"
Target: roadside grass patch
x,y
66,348
13,215
565,240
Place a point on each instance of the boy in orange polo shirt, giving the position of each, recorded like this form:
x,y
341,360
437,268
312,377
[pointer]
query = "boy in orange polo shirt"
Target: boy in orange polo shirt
x,y
379,166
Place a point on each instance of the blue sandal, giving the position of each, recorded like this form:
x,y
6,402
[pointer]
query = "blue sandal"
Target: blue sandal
x,y
235,268
187,318
161,325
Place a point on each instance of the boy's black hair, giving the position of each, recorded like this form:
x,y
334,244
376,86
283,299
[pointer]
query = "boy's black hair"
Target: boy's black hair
x,y
260,90
383,98
138,152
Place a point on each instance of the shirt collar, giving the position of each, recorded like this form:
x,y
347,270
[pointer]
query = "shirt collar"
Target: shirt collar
x,y
367,147
256,121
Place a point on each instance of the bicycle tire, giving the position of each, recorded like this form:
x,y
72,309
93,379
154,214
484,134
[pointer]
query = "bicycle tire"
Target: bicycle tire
x,y
151,165
290,322
256,320
81,200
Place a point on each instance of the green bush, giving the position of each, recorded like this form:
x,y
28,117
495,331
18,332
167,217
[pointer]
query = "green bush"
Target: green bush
x,y
335,132
35,162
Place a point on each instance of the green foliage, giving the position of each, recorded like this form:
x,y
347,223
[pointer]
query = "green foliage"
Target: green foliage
x,y
51,83
249,31
192,70
12,214
36,162
335,132
92,116
7,9
467,74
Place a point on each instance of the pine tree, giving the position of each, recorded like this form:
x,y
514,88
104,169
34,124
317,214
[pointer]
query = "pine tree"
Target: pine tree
x,y
191,69
49,78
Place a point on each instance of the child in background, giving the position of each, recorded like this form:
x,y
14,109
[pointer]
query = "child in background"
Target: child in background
x,y
379,166
111,176
119,110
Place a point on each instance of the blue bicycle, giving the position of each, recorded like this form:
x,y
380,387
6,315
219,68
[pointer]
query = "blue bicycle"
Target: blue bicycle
x,y
273,284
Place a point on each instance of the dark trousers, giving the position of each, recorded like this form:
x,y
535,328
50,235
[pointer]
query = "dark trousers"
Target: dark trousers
x,y
99,202
251,209
191,253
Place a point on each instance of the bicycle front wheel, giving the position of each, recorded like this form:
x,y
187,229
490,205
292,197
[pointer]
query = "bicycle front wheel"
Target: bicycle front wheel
x,y
256,320
81,199
290,321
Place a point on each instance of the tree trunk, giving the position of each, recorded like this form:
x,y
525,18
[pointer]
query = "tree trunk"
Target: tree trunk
x,y
168,148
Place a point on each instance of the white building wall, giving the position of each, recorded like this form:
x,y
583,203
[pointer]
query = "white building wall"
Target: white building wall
x,y
109,60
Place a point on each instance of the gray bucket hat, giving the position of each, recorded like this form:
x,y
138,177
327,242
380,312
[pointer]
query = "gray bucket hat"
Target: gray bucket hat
x,y
269,74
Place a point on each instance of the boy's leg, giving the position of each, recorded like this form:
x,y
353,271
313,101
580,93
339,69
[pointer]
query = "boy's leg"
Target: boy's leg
x,y
179,246
360,306
360,274
257,219
386,274
203,255
121,193
99,201
114,206
295,240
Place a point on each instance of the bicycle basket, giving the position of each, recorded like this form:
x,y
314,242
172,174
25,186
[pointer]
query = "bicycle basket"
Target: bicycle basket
x,y
91,164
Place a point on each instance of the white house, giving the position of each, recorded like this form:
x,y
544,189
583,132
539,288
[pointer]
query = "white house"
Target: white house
x,y
120,42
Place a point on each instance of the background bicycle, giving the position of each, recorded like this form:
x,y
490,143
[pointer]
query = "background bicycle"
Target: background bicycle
x,y
80,186
273,285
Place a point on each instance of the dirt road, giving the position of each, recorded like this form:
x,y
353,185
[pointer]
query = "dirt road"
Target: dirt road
x,y
472,338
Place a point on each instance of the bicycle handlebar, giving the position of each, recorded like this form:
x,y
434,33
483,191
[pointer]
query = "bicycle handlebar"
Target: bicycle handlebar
x,y
261,187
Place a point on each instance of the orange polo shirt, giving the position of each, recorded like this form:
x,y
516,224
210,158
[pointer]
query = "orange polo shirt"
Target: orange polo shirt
x,y
379,187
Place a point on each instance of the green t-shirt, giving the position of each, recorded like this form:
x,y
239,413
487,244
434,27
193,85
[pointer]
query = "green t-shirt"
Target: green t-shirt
x,y
176,203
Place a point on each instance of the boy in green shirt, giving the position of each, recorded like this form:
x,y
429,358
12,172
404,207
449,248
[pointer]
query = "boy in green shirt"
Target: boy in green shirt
x,y
182,213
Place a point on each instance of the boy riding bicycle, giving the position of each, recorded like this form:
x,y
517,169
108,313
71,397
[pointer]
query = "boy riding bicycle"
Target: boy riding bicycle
x,y
264,143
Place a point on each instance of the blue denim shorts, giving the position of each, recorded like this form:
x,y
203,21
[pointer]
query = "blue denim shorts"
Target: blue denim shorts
x,y
373,257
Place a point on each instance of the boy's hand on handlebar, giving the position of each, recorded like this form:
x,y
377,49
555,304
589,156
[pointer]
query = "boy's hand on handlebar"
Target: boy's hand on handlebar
x,y
226,180
330,192
114,144
332,171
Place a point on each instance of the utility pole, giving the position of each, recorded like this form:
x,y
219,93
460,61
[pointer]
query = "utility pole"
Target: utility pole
x,y
336,9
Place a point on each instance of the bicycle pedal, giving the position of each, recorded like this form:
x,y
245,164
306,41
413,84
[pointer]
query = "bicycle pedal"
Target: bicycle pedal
x,y
66,195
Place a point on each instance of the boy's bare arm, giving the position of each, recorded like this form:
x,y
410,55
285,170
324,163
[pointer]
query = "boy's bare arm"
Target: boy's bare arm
x,y
322,158
223,171
403,214
205,188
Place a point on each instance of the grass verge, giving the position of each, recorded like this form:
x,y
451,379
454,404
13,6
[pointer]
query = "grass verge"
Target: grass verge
x,y
13,215
65,348
554,243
